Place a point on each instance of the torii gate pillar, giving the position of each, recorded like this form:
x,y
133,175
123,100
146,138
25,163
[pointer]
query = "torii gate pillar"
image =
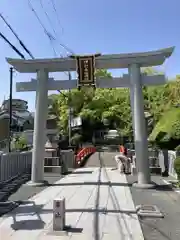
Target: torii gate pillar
x,y
38,153
140,133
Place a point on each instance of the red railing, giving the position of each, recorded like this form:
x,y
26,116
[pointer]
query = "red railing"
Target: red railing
x,y
85,152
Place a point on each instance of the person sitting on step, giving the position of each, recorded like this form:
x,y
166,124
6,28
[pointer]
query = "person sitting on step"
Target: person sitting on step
x,y
124,163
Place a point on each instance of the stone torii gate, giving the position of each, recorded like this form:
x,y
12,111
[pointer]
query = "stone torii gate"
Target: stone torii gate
x,y
134,80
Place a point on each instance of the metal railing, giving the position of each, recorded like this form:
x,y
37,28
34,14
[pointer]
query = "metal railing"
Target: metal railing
x,y
16,163
13,164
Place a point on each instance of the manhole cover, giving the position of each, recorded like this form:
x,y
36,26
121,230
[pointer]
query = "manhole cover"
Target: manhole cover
x,y
148,208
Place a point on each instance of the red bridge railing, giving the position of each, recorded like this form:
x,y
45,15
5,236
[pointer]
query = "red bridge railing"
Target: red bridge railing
x,y
83,154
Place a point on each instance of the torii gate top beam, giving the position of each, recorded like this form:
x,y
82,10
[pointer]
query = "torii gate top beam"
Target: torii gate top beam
x,y
114,61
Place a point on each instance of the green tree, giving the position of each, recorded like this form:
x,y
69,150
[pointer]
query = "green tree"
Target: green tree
x,y
164,104
18,143
93,105
102,73
112,106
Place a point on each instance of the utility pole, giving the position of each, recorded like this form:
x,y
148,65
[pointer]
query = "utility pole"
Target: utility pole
x,y
10,106
69,113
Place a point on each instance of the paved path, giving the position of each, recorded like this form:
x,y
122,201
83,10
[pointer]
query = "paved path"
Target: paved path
x,y
108,159
168,202
98,202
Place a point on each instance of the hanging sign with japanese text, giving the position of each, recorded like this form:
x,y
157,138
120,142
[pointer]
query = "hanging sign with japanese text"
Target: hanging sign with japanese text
x,y
85,70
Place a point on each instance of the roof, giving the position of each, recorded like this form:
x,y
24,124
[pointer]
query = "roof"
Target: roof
x,y
14,99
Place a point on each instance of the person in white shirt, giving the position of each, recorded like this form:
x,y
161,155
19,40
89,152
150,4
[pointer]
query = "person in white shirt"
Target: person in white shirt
x,y
124,163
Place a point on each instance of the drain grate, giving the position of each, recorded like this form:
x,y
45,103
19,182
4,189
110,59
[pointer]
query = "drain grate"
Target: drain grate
x,y
148,208
149,211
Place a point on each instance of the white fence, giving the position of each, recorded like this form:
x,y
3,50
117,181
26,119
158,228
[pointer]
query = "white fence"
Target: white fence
x,y
12,164
167,158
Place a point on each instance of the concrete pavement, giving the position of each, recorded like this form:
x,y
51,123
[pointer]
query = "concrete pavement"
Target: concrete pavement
x,y
104,158
99,206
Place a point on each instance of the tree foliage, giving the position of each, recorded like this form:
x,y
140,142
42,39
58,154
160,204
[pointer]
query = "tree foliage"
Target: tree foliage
x,y
168,126
18,143
95,106
164,104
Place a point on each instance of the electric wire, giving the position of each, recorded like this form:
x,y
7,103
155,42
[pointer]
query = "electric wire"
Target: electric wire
x,y
50,37
47,16
48,34
57,16
55,37
11,45
15,34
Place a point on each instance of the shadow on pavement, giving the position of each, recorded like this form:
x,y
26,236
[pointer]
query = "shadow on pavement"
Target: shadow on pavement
x,y
28,225
92,183
82,172
30,208
101,210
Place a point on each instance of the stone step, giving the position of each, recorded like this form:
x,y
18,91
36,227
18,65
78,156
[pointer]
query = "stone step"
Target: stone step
x,y
153,170
53,169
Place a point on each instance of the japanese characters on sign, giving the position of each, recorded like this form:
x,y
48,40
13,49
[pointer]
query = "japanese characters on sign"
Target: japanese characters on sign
x,y
85,70
57,204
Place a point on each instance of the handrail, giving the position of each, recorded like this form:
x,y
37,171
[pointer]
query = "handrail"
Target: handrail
x,y
85,152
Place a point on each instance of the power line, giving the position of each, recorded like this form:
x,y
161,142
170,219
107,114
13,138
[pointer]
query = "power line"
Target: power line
x,y
50,36
55,10
50,22
21,43
12,46
47,16
39,20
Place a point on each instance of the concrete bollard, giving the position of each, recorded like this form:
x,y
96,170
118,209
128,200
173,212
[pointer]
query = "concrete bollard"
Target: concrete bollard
x,y
59,214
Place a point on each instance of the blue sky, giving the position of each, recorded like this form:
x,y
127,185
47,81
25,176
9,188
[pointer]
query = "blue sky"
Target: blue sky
x,y
105,26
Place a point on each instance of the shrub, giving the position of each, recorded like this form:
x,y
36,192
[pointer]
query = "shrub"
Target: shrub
x,y
19,143
177,167
76,139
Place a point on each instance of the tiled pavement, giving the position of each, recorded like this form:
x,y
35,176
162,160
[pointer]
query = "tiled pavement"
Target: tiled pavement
x,y
99,206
